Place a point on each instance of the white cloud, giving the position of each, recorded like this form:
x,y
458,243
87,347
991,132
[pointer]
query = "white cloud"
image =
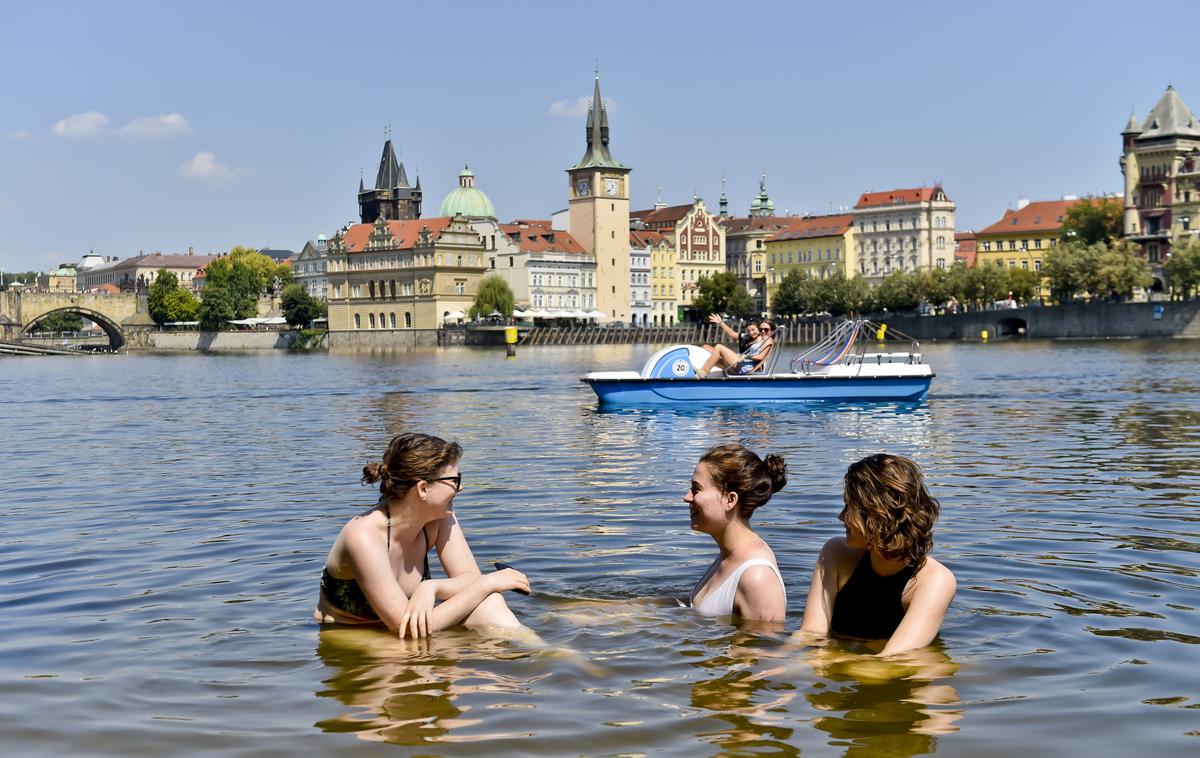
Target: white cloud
x,y
166,125
19,134
90,124
576,108
204,166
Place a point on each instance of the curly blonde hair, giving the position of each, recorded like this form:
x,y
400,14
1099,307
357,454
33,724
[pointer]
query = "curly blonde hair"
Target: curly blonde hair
x,y
887,503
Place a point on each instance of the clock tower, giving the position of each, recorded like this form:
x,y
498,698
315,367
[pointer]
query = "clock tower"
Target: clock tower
x,y
599,213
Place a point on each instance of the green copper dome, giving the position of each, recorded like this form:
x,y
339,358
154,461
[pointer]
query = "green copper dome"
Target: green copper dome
x,y
467,199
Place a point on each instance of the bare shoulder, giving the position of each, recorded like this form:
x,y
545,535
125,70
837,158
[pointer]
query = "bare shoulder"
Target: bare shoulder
x,y
359,531
758,577
935,577
836,550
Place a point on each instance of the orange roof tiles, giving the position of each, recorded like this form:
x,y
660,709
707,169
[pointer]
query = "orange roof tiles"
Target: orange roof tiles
x,y
736,224
1037,216
541,239
643,237
816,226
405,232
667,216
895,197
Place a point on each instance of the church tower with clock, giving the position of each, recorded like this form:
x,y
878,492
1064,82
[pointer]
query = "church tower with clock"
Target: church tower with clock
x,y
599,213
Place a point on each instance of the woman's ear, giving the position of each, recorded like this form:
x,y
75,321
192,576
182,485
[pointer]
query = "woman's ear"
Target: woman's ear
x,y
422,486
731,501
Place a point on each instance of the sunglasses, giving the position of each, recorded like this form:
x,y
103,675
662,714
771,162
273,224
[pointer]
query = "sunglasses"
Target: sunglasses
x,y
455,481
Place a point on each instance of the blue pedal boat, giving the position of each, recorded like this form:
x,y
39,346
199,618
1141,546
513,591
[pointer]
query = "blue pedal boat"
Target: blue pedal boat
x,y
843,367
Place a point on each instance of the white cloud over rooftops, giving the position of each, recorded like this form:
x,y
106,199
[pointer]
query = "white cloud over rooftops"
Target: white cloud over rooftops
x,y
153,127
90,124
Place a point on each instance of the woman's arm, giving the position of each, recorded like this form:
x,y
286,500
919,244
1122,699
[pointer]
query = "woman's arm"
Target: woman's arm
x,y
759,596
455,554
935,588
732,334
818,609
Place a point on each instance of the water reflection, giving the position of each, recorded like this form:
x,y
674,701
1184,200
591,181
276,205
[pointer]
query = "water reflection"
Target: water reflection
x,y
407,692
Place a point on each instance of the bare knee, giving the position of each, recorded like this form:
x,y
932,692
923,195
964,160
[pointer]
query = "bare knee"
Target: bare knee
x,y
493,611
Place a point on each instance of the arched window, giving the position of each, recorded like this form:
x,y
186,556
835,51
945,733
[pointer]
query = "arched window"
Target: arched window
x,y
371,317
393,285
382,321
357,321
407,320
392,319
371,290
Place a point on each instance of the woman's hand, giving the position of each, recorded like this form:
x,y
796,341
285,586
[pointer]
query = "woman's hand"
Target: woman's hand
x,y
508,579
416,622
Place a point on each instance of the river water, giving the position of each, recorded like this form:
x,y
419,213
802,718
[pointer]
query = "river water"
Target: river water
x,y
165,520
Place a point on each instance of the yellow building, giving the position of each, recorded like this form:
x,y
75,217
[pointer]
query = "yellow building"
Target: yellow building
x,y
664,276
816,246
697,240
1022,237
406,274
62,279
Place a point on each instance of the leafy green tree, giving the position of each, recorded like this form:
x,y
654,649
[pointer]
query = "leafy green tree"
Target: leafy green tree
x,y
899,291
299,307
216,307
1093,220
797,294
1023,283
959,284
164,284
1065,267
1183,268
934,285
841,295
23,277
721,293
1119,271
494,296
59,322
991,283
182,305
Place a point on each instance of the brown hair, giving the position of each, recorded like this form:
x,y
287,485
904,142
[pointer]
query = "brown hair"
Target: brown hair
x,y
735,468
410,458
886,502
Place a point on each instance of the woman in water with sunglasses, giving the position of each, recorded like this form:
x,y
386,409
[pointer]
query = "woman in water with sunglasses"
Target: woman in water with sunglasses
x,y
378,569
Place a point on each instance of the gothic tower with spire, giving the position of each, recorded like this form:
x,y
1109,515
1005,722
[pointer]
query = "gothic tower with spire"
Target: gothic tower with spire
x,y
392,197
598,217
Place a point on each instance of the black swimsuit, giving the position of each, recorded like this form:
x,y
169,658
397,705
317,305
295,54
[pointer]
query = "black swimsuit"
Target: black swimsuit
x,y
348,597
869,606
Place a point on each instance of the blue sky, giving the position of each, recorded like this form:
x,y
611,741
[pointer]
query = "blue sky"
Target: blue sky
x,y
158,126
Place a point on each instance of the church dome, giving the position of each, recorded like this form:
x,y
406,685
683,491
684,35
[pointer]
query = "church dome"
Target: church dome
x,y
467,200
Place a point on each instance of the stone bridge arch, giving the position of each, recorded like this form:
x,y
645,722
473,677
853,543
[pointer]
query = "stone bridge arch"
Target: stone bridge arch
x,y
116,337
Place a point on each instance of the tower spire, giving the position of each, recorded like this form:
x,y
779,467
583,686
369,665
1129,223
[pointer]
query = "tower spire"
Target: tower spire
x,y
724,204
597,154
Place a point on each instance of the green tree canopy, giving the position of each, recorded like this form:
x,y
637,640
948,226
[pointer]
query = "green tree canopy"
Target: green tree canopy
x,y
934,285
299,307
1023,283
182,305
216,307
164,284
494,296
899,291
1093,220
797,294
59,322
721,293
1119,271
1183,268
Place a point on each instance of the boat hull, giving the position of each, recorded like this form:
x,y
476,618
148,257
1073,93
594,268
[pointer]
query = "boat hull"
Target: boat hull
x,y
789,388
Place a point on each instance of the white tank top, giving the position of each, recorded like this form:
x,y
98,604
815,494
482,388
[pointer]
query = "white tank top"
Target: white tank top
x,y
719,602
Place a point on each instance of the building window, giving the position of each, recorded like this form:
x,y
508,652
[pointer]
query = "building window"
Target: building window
x,y
1037,244
460,286
1152,252
1037,265
1012,244
371,317
1025,265
392,320
357,321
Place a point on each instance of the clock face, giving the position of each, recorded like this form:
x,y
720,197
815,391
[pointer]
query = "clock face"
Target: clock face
x,y
583,187
611,186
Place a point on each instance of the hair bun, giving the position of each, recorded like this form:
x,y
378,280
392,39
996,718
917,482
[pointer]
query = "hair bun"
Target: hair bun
x,y
777,470
372,472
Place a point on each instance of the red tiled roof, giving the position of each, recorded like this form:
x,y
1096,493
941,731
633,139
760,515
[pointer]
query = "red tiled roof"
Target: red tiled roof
x,y
734,225
643,237
896,197
107,288
662,216
816,226
531,222
405,232
541,239
1038,216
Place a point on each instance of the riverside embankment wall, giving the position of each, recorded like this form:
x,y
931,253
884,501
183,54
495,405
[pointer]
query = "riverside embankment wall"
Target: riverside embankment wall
x,y
1075,321
210,341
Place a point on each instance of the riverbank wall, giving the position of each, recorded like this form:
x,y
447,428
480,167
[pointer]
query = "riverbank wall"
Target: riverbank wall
x,y
383,339
209,342
1074,321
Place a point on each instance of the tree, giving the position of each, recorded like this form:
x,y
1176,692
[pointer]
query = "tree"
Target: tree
x,y
1183,268
494,296
721,293
1119,271
59,322
1065,266
958,283
841,295
934,286
1023,283
23,277
991,283
299,307
899,291
216,308
182,305
797,294
1092,220
164,284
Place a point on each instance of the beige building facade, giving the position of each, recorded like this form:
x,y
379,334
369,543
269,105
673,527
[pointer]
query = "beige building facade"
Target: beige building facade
x,y
818,247
903,230
408,274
